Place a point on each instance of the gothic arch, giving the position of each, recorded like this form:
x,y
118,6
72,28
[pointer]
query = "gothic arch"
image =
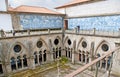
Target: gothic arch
x,y
99,44
60,41
81,41
10,50
40,39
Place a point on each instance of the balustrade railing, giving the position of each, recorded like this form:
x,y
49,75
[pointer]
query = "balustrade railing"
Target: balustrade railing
x,y
94,32
28,32
98,62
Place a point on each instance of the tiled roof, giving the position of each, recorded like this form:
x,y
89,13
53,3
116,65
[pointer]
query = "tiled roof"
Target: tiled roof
x,y
33,9
74,2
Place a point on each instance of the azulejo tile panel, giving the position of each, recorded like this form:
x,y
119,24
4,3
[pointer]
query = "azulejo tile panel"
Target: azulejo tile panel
x,y
35,21
109,23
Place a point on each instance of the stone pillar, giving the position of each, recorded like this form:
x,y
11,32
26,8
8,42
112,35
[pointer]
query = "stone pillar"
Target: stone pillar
x,y
16,64
76,56
86,57
49,57
111,63
73,57
38,59
81,57
6,69
96,71
106,64
67,53
31,62
42,57
22,62
51,54
101,63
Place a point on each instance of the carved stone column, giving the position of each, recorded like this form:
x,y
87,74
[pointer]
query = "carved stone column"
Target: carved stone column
x,y
38,59
16,64
73,56
106,63
22,62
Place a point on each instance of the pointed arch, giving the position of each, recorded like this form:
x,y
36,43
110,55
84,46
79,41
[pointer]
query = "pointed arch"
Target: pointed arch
x,y
60,40
40,39
80,42
99,44
10,49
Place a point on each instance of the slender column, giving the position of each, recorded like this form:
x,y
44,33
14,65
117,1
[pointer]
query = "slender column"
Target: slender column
x,y
16,64
67,53
106,64
101,63
42,57
38,59
73,57
71,54
52,56
22,62
86,56
96,72
81,57
111,62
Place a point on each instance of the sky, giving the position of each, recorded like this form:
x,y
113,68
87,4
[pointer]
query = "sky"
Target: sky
x,y
42,3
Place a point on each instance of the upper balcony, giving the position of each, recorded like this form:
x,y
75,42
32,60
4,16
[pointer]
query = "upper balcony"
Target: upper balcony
x,y
90,32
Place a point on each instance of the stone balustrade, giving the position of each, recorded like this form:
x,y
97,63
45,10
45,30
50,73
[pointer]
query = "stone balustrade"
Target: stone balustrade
x,y
4,34
94,32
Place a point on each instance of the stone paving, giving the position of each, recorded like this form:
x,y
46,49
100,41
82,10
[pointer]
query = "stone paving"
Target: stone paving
x,y
70,68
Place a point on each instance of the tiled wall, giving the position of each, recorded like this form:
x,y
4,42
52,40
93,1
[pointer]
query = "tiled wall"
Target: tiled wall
x,y
109,23
35,21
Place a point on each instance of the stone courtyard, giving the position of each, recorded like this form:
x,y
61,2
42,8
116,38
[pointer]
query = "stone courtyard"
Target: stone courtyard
x,y
51,70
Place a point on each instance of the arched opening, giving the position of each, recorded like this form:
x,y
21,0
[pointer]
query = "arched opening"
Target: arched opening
x,y
108,62
1,69
69,54
44,55
83,56
79,55
103,63
60,52
88,57
40,57
66,52
19,64
25,61
13,63
35,58
54,53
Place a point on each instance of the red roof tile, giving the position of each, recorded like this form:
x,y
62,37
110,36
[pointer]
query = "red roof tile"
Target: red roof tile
x,y
33,9
74,2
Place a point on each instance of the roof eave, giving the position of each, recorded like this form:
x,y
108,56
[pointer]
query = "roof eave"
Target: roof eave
x,y
36,13
71,5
